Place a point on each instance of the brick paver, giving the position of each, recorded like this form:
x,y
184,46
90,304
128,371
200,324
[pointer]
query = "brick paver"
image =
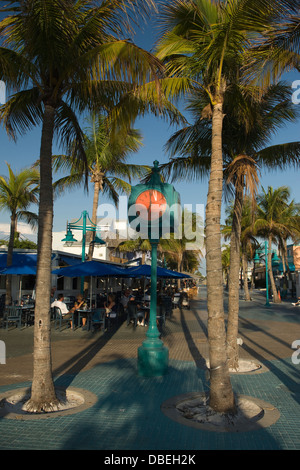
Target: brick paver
x,y
127,414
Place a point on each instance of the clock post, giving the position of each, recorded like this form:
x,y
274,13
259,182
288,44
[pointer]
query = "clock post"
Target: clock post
x,y
157,198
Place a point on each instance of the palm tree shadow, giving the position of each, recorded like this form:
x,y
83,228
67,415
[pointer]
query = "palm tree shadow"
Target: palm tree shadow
x,y
194,350
72,367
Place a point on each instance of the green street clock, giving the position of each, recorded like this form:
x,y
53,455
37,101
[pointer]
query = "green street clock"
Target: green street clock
x,y
154,208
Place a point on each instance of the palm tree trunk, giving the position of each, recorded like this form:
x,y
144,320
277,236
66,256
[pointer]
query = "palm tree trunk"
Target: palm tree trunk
x,y
43,397
90,236
245,270
10,250
289,274
233,285
221,394
179,268
97,185
272,281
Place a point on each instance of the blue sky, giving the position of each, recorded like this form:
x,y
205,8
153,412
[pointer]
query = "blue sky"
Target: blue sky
x,y
155,132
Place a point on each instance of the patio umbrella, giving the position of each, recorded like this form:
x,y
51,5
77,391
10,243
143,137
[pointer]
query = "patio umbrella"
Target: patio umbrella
x,y
144,270
20,270
91,268
19,259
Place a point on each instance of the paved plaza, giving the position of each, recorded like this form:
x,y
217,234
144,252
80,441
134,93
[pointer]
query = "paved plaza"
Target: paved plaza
x,y
126,414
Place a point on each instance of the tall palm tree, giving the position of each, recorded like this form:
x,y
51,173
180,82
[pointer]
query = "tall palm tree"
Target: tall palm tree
x,y
251,119
107,156
197,43
206,41
245,238
17,192
290,218
248,241
59,58
272,224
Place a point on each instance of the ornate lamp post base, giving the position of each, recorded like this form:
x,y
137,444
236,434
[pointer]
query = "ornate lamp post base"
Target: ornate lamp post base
x,y
157,206
153,359
153,356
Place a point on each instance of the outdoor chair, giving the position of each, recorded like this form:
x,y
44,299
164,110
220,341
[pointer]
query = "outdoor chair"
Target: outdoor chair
x,y
133,313
52,314
110,319
13,314
60,320
69,300
161,315
167,303
176,300
98,319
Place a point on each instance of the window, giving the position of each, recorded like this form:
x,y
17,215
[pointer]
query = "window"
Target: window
x,y
60,283
75,283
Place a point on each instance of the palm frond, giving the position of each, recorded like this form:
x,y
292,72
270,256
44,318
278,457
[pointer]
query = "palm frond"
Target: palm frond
x,y
280,157
22,112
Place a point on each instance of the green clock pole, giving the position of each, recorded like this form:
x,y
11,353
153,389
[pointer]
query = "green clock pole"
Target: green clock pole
x,y
153,356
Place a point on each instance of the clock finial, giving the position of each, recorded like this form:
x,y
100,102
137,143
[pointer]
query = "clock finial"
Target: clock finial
x,y
155,177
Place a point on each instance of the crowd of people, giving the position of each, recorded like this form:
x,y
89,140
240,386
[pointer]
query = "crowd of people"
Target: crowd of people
x,y
114,304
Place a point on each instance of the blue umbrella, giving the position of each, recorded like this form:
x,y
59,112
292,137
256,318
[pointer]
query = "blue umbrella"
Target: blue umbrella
x,y
19,270
144,270
91,268
24,259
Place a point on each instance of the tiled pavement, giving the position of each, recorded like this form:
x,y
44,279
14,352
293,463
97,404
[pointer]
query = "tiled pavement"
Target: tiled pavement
x,y
127,412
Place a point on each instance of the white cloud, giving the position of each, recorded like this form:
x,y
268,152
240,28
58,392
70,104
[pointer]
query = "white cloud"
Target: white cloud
x,y
24,229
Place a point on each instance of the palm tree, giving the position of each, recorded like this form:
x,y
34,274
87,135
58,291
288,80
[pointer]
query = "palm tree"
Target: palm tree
x,y
106,160
197,43
183,251
60,58
226,263
290,218
136,244
246,131
17,192
206,42
248,241
271,223
252,118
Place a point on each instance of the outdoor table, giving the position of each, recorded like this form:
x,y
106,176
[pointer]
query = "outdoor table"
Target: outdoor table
x,y
28,313
85,313
144,307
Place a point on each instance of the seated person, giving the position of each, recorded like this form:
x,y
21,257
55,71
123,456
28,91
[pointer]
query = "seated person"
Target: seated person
x,y
125,298
140,314
297,303
52,295
80,301
110,308
63,308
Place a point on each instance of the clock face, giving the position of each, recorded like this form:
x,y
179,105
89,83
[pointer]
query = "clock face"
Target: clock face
x,y
154,202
